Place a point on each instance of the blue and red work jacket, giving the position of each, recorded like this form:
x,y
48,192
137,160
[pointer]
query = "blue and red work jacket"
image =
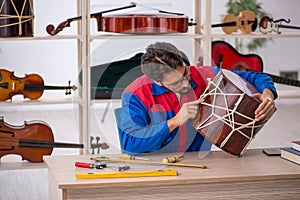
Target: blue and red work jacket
x,y
146,107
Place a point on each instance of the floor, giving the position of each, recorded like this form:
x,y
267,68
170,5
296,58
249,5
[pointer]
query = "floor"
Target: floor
x,y
19,180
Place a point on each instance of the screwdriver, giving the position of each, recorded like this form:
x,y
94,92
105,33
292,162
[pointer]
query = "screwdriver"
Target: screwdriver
x,y
172,159
131,157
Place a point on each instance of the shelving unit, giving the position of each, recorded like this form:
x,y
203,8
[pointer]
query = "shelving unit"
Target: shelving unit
x,y
200,37
84,39
76,97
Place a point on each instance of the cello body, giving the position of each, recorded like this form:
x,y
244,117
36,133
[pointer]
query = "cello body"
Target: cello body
x,y
143,23
14,139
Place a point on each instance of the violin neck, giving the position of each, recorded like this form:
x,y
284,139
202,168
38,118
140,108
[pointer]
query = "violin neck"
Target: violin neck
x,y
224,24
231,23
287,26
45,144
44,87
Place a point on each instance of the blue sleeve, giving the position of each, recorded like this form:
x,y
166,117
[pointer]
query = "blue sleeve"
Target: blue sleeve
x,y
141,131
258,79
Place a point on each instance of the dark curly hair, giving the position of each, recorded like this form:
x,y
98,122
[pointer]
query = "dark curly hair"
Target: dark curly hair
x,y
160,58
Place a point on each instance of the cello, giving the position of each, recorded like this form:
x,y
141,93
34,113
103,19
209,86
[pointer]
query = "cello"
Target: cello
x,y
31,141
31,86
165,22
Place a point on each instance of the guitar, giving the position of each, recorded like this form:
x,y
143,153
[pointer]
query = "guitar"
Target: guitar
x,y
227,57
268,25
246,22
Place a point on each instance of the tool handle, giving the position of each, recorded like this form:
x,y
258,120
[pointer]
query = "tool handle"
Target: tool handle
x,y
172,159
84,165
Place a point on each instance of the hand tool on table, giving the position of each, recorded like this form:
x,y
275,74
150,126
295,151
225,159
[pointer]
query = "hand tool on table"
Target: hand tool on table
x,y
148,162
130,157
172,159
90,165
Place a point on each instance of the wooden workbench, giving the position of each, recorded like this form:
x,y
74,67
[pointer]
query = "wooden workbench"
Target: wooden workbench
x,y
254,176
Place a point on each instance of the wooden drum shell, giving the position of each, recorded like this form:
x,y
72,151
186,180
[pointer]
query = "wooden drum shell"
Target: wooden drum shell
x,y
16,18
227,120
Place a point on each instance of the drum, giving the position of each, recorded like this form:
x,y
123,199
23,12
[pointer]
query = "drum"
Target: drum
x,y
16,18
227,114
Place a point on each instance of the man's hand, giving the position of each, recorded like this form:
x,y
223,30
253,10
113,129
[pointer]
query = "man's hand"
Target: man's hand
x,y
267,105
188,111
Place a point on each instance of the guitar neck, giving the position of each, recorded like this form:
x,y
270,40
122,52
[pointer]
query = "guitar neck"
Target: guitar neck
x,y
287,26
283,80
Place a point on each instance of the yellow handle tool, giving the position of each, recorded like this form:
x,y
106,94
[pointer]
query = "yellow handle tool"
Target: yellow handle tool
x,y
127,174
130,157
148,162
172,159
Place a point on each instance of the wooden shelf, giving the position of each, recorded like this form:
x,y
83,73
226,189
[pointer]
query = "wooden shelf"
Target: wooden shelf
x,y
44,100
146,36
255,35
56,37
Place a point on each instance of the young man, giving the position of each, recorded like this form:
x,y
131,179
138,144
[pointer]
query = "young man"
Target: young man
x,y
158,107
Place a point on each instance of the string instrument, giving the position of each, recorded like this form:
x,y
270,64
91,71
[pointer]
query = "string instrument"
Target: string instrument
x,y
16,18
31,86
168,22
268,25
31,141
246,22
226,56
227,116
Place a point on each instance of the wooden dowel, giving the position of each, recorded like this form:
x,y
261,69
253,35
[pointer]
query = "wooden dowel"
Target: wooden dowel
x,y
149,162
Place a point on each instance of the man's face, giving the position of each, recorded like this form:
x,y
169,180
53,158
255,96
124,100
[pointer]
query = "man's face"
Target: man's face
x,y
178,80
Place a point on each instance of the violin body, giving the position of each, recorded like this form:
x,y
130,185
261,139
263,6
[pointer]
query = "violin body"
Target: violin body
x,y
246,22
11,85
31,86
143,23
13,138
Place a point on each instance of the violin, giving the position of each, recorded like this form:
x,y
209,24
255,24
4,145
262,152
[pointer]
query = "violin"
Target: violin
x,y
32,140
31,86
268,25
168,22
246,22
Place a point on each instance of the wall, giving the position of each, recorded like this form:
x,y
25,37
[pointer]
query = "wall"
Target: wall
x,y
56,60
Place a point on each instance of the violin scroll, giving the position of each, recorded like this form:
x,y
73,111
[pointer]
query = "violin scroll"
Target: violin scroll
x,y
69,88
51,30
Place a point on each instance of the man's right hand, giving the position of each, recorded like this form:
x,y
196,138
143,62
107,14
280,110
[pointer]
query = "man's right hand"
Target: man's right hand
x,y
188,111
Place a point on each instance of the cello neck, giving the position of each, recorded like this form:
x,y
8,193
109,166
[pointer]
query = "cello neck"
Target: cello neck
x,y
46,144
51,30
